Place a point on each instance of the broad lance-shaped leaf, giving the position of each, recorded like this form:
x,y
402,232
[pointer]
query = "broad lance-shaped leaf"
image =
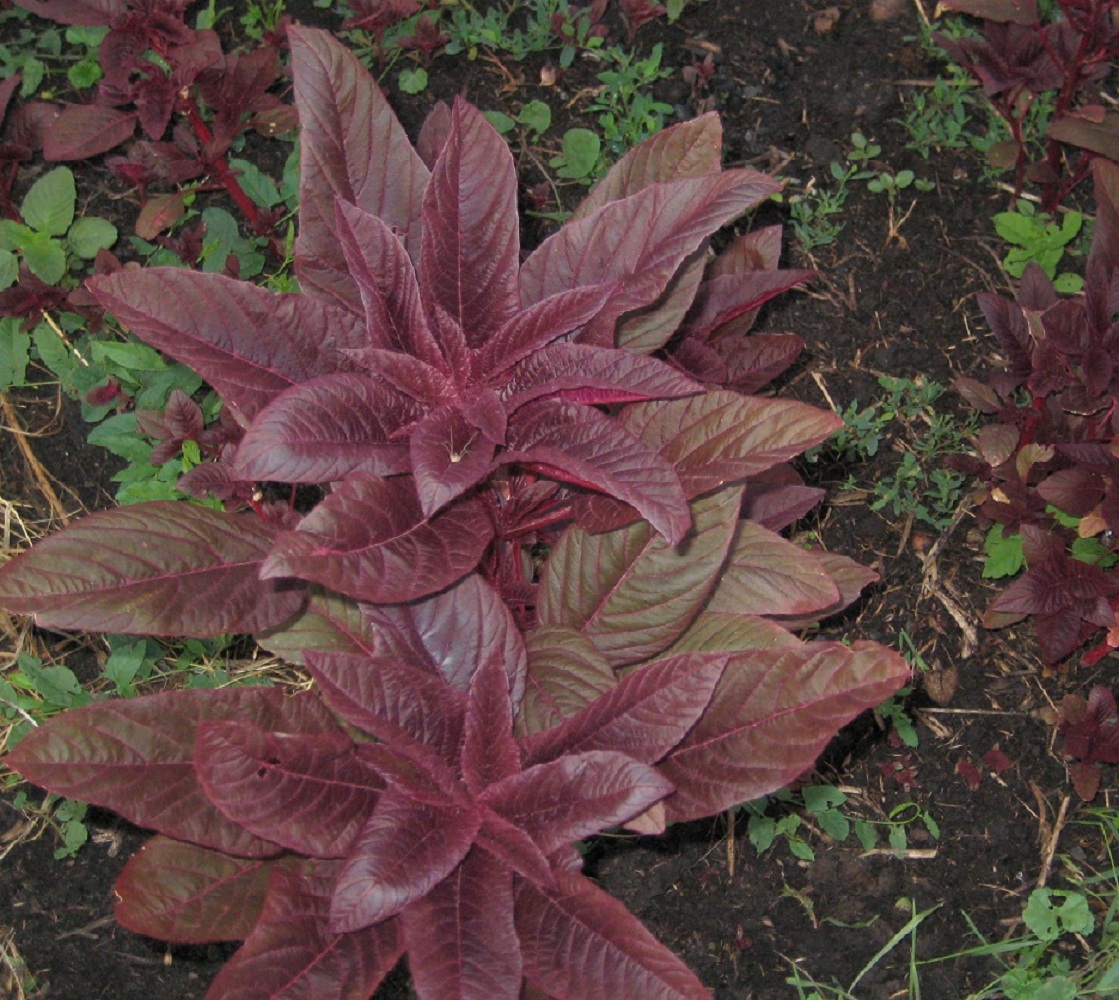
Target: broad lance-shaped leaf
x,y
250,344
452,633
688,149
771,715
576,795
766,574
405,849
722,437
190,895
489,752
578,941
351,147
369,539
291,955
327,429
460,938
629,591
471,236
310,793
156,568
579,444
448,456
136,757
644,716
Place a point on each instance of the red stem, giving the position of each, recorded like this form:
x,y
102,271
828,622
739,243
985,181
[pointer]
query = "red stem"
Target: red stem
x,y
224,174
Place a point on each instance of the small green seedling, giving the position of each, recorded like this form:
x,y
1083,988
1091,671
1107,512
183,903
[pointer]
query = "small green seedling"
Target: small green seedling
x,y
49,238
1038,239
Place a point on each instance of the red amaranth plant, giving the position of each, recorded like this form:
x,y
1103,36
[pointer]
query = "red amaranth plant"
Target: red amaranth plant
x,y
534,569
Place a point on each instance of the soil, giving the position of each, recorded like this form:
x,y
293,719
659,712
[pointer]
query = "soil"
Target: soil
x,y
791,88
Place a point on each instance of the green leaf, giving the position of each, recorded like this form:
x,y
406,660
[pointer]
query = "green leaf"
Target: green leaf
x,y
500,121
84,74
1068,284
834,824
9,269
15,346
537,116
49,206
1015,228
1048,919
761,830
897,838
46,258
120,435
13,235
31,76
89,234
865,831
581,150
128,356
256,183
412,80
1004,555
821,798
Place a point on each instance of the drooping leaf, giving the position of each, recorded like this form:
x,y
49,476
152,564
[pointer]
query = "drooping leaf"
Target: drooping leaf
x,y
179,892
577,941
771,715
353,148
291,955
310,793
369,539
158,568
213,324
628,591
460,938
135,757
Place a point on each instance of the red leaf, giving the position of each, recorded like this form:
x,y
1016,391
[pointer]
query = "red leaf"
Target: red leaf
x,y
83,131
969,772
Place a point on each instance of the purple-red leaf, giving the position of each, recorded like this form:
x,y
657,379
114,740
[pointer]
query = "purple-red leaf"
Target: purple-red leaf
x,y
327,429
489,752
136,757
722,437
565,673
216,325
578,941
576,795
771,715
187,894
83,131
460,938
391,700
353,148
309,793
158,568
471,239
448,456
406,848
328,623
581,445
645,715
291,955
369,539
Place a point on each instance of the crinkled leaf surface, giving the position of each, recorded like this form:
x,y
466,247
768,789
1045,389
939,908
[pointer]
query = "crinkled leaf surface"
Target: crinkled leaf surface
x,y
158,568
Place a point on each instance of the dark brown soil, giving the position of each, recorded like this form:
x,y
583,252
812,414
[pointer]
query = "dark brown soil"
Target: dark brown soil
x,y
790,95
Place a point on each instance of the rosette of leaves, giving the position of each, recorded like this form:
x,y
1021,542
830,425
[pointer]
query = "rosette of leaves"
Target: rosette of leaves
x,y
1048,457
542,591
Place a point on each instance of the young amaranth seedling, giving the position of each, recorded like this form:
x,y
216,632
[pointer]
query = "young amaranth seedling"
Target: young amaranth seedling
x,y
528,619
